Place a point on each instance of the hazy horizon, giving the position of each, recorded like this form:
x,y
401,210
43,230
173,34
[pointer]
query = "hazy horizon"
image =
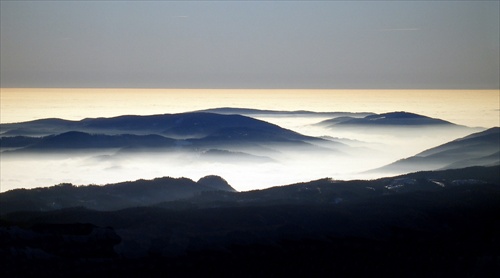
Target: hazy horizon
x,y
367,151
475,108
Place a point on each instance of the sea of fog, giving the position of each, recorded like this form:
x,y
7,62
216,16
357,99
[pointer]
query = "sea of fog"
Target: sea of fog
x,y
363,152
366,151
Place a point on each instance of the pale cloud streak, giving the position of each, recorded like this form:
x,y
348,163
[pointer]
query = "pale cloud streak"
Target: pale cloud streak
x,y
399,29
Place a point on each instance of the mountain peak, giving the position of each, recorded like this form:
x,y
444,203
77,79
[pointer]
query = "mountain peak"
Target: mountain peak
x,y
216,182
396,115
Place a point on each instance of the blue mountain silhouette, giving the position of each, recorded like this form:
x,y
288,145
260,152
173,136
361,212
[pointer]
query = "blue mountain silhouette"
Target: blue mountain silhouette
x,y
387,119
259,112
186,129
79,140
477,149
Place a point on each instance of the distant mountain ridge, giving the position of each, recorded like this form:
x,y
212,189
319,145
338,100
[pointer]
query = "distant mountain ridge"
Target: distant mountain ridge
x,y
206,130
183,125
477,149
396,119
260,112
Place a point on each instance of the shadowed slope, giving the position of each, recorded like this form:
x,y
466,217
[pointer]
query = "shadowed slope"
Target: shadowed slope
x,y
478,149
80,140
206,130
184,125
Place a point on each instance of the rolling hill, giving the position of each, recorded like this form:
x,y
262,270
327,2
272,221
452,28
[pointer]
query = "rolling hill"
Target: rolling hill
x,y
111,196
213,191
269,113
186,130
393,120
183,125
477,149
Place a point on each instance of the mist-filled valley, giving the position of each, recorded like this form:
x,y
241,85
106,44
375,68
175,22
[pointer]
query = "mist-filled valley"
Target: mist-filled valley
x,y
252,149
229,189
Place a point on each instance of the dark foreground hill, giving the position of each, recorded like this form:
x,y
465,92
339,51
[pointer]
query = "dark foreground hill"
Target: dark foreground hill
x,y
478,149
111,196
426,224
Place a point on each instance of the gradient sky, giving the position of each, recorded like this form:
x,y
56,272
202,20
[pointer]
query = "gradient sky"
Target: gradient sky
x,y
251,44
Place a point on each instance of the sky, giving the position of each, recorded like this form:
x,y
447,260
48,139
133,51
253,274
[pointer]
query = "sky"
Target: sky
x,y
250,44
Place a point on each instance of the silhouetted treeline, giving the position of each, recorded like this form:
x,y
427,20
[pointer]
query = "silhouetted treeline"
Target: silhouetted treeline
x,y
426,224
108,197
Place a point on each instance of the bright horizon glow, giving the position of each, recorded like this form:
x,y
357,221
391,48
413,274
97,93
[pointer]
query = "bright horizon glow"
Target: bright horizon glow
x,y
465,107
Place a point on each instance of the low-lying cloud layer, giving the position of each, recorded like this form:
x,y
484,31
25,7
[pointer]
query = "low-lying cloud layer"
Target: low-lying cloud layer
x,y
342,154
